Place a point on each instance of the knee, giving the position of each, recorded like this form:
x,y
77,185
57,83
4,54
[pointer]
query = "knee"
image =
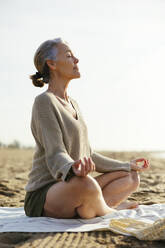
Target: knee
x,y
135,179
88,186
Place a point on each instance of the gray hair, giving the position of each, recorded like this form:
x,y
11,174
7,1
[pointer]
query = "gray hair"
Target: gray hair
x,y
47,50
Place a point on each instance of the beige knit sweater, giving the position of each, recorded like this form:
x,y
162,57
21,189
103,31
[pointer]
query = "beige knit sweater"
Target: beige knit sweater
x,y
60,140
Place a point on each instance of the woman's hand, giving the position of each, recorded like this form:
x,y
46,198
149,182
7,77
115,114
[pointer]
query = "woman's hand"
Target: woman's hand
x,y
81,169
140,164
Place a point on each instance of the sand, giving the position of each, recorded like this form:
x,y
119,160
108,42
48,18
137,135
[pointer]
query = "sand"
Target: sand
x,y
14,167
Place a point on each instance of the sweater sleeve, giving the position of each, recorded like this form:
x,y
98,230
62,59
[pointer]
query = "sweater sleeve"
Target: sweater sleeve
x,y
47,132
105,164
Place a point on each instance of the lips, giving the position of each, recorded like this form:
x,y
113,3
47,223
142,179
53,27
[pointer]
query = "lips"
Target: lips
x,y
75,68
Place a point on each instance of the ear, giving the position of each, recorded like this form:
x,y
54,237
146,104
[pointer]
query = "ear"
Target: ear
x,y
51,64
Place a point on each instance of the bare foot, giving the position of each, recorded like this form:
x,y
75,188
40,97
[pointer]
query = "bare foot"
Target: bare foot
x,y
127,205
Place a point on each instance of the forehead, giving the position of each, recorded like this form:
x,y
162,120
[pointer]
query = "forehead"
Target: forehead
x,y
63,48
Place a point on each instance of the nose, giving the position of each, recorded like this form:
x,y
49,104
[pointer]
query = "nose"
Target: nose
x,y
75,60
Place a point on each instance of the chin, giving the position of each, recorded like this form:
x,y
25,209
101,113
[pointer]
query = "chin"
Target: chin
x,y
77,75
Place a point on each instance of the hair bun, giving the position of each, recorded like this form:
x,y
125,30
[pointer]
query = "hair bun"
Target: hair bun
x,y
37,79
38,75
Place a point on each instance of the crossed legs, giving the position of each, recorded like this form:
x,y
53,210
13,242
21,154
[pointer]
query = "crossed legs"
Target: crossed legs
x,y
90,197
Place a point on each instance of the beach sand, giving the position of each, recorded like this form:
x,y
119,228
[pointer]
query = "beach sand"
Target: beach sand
x,y
14,168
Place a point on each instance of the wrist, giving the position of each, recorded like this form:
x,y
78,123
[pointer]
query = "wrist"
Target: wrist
x,y
70,174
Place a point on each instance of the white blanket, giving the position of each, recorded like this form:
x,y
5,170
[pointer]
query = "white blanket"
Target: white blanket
x,y
14,220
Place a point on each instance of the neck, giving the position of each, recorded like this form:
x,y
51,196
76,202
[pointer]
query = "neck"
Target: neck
x,y
58,86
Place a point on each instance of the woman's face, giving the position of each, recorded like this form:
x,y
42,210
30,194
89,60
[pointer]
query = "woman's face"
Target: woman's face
x,y
66,63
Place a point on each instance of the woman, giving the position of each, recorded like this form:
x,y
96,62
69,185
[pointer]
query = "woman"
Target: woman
x,y
59,183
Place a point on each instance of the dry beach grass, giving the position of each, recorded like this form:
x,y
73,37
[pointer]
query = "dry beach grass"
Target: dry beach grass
x,y
14,167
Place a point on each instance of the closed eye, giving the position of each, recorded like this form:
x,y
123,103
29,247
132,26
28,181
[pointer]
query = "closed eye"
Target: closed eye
x,y
69,54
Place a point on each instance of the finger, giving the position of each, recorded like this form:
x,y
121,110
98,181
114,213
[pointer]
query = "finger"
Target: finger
x,y
140,159
77,163
148,162
87,166
145,164
92,164
82,169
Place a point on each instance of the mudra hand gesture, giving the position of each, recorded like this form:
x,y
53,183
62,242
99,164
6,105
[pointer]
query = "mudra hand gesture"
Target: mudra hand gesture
x,y
81,169
140,164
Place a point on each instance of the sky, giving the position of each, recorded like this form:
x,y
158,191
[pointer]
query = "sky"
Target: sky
x,y
120,45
